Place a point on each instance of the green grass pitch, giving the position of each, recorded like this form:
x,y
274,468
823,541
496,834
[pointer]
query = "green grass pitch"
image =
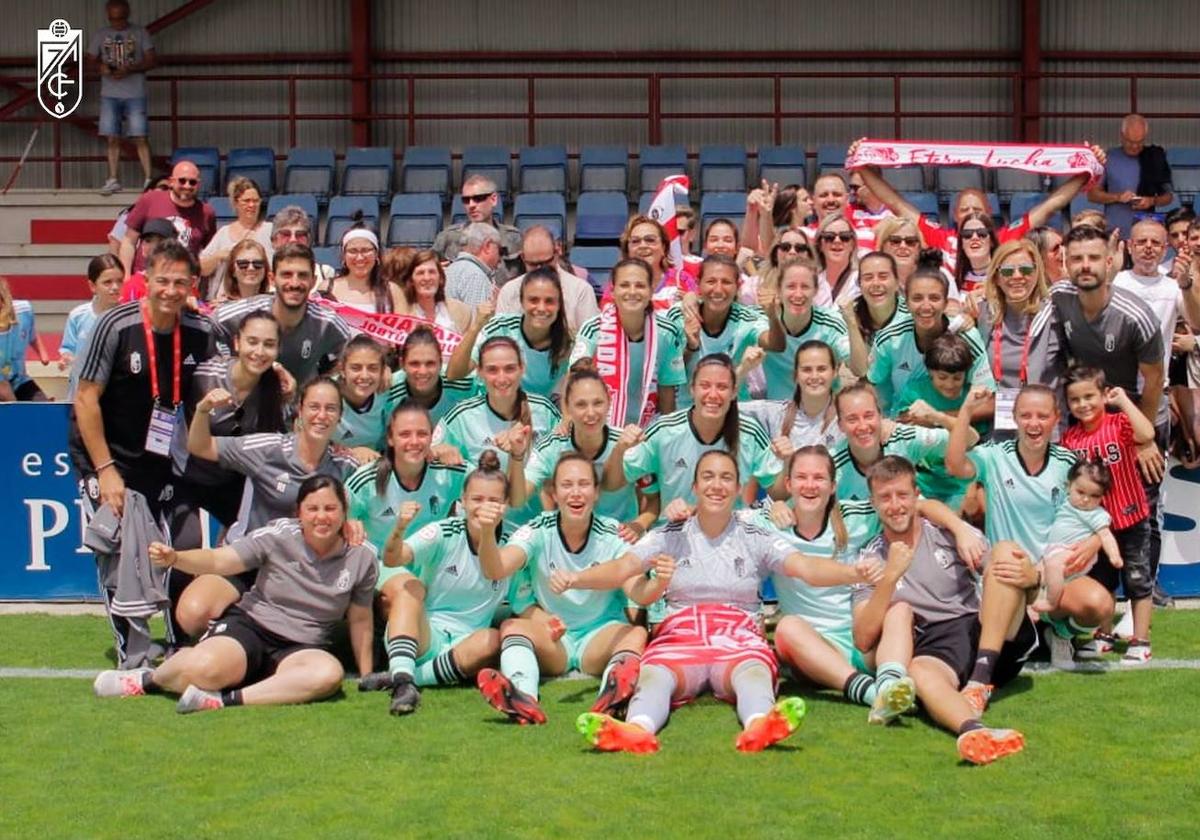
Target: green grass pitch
x,y
1108,755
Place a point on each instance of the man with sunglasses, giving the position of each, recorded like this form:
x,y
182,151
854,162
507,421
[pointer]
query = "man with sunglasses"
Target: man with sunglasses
x,y
539,250
480,199
195,221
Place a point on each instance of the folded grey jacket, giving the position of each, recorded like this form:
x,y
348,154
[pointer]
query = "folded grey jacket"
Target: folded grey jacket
x,y
122,546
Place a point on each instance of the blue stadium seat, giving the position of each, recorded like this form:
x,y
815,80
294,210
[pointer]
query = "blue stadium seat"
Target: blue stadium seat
x,y
458,213
330,255
949,180
310,171
722,205
223,208
489,161
598,260
257,164
905,178
548,209
925,202
1186,180
782,165
603,169
1023,202
600,216
368,171
831,156
722,169
657,162
426,169
1184,156
543,169
993,201
1080,203
207,160
341,216
305,201
414,219
1011,181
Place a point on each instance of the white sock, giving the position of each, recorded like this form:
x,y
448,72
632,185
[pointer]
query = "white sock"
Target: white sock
x,y
650,705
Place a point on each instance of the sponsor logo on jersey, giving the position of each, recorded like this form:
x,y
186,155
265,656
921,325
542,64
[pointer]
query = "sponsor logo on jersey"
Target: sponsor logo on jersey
x,y
1010,484
281,482
681,463
903,366
343,581
452,570
135,362
189,359
388,512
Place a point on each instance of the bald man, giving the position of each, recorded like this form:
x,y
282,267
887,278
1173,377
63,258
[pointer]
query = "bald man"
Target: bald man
x,y
538,249
194,221
1137,179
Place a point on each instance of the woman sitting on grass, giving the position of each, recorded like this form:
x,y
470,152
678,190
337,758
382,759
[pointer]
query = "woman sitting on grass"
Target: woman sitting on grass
x,y
271,647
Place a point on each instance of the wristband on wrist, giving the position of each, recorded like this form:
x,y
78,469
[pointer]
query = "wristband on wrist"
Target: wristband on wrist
x,y
109,463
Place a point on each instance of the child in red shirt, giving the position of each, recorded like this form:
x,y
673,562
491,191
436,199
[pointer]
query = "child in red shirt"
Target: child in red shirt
x,y
1114,437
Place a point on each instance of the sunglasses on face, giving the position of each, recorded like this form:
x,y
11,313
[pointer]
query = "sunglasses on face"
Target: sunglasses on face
x,y
794,247
644,240
974,233
478,198
910,241
1025,269
245,265
831,237
187,182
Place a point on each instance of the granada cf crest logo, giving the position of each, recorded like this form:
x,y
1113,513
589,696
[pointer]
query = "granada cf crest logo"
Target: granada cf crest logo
x,y
60,68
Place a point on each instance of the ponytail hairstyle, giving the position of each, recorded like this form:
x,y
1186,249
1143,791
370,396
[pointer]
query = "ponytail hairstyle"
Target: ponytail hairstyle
x,y
420,334
488,469
1093,469
523,412
560,335
386,465
270,389
730,429
833,511
789,412
99,265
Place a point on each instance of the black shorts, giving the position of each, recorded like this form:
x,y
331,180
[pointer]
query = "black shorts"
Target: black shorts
x,y
955,641
30,392
1136,575
264,649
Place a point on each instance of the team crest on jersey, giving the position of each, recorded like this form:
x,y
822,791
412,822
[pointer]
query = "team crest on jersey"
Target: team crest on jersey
x,y
434,504
739,566
943,557
343,581
495,585
1110,342
135,362
306,349
1067,327
1055,496
1010,484
684,562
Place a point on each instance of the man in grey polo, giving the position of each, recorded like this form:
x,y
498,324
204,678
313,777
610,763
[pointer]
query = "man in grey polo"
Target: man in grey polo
x,y
540,251
480,198
313,335
471,277
1112,329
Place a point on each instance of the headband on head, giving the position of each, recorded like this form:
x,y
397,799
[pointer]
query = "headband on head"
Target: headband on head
x,y
360,233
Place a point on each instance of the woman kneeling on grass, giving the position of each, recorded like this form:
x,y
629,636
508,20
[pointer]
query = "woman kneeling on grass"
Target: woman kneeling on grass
x,y
597,639
711,638
270,648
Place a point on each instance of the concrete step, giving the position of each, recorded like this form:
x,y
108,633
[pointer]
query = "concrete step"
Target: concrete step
x,y
17,258
20,209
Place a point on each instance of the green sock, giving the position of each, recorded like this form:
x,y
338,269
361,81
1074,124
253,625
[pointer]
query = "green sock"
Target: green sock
x,y
402,655
519,663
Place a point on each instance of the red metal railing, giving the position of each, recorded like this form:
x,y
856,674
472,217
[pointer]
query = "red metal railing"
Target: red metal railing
x,y
651,110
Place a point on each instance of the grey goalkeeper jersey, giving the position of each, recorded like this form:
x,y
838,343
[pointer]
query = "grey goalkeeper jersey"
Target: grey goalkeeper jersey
x,y
305,350
297,595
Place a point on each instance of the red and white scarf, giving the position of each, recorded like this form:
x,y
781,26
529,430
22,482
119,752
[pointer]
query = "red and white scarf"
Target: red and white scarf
x,y
391,327
1042,158
612,363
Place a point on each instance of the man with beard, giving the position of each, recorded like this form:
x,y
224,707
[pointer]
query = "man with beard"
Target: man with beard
x,y
312,335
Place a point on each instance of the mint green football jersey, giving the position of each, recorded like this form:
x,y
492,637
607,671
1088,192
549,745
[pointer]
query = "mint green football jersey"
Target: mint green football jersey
x,y
440,487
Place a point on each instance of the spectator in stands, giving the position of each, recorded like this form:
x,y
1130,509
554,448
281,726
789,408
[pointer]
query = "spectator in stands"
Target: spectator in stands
x,y
685,223
1049,243
154,233
160,182
1137,177
469,276
18,332
538,251
250,223
647,240
195,221
121,53
105,275
901,238
291,224
313,335
246,273
867,206
838,255
423,293
770,209
1178,221
479,197
361,284
976,242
